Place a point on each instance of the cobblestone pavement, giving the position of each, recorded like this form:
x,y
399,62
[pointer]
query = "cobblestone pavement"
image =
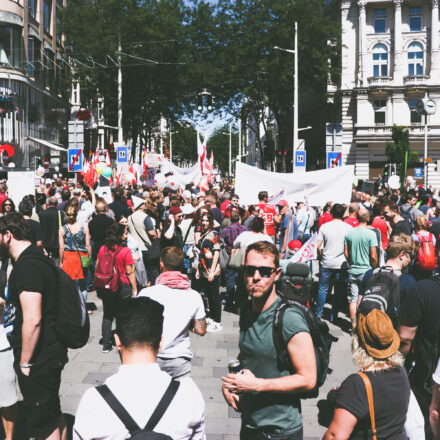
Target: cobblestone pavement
x,y
89,367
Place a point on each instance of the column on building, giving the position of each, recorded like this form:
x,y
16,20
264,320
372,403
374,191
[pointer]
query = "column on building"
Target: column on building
x,y
389,111
398,71
435,68
362,44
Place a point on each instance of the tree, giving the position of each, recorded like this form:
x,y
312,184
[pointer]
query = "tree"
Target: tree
x,y
398,151
219,144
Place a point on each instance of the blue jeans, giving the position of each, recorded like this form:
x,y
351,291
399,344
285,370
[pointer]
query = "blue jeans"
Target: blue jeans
x,y
339,277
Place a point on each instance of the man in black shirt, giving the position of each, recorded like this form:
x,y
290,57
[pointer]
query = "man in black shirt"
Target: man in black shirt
x,y
419,334
398,224
25,209
98,227
118,206
171,233
39,356
50,220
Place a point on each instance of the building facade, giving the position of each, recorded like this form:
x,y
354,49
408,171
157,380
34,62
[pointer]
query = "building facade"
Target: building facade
x,y
389,59
33,79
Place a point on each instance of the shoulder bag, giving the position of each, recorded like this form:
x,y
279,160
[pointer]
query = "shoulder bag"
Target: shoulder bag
x,y
370,402
86,261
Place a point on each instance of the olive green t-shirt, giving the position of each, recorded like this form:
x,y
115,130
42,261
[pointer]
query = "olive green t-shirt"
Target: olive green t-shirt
x,y
276,411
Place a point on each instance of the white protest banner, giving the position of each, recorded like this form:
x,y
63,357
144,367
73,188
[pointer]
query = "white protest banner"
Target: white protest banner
x,y
277,197
307,252
20,184
319,187
105,192
183,175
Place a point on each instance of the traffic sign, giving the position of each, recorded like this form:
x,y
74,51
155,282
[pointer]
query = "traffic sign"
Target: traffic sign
x,y
300,160
75,160
418,173
428,160
334,159
46,162
122,156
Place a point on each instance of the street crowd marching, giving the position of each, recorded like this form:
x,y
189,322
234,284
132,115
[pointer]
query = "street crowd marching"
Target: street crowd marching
x,y
166,261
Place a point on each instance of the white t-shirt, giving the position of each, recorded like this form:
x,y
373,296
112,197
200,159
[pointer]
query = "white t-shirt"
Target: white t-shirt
x,y
332,235
247,238
181,307
139,389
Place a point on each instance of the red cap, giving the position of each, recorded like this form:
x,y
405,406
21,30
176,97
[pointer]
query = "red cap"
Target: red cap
x,y
294,245
282,203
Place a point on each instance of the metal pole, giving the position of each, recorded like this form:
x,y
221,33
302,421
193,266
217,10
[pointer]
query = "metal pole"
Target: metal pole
x,y
295,99
425,155
171,145
239,140
120,132
230,149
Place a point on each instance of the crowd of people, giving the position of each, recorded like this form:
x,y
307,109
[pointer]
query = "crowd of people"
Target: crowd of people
x,y
177,259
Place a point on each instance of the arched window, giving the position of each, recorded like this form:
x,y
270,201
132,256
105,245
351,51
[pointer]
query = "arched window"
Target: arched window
x,y
380,60
415,59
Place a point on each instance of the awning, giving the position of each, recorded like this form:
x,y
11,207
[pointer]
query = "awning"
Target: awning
x,y
47,144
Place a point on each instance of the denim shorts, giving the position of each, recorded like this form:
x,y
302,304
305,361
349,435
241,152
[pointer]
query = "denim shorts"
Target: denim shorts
x,y
354,284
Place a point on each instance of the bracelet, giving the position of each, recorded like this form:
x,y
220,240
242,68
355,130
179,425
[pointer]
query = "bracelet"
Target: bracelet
x,y
26,365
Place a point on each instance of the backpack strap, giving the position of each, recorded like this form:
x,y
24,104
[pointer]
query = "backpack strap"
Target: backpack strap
x,y
277,335
163,405
370,402
118,409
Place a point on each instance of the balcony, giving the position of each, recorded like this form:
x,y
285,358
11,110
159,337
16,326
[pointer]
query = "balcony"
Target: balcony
x,y
382,132
380,81
415,81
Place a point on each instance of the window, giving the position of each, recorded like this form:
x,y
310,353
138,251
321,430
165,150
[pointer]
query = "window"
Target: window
x,y
32,8
379,111
415,59
380,21
49,66
11,48
58,30
415,18
34,57
415,117
47,12
380,60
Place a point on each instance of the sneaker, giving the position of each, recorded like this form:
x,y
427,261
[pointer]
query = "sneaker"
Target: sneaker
x,y
107,349
209,321
214,327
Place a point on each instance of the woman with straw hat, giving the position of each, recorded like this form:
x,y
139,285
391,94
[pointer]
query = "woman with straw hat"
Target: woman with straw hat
x,y
373,403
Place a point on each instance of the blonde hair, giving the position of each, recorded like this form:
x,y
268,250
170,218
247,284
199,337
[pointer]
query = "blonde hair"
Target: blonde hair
x,y
362,360
420,223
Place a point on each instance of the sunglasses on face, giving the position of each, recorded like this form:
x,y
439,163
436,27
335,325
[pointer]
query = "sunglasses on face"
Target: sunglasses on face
x,y
8,204
264,271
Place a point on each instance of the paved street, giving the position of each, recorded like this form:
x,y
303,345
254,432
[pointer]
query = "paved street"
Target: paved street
x,y
89,367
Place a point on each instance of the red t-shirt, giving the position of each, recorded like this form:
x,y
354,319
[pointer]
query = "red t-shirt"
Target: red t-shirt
x,y
325,218
267,212
352,221
380,223
123,259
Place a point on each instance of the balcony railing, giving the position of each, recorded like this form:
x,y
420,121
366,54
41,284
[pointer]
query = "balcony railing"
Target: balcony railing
x,y
380,80
381,130
415,80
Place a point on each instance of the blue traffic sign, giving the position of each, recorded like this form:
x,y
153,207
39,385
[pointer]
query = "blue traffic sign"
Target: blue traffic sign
x,y
300,159
334,159
418,173
122,156
75,160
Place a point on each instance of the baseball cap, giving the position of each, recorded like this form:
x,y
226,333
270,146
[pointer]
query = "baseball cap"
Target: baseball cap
x,y
282,203
294,245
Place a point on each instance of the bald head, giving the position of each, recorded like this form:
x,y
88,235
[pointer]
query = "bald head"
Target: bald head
x,y
53,201
353,208
363,215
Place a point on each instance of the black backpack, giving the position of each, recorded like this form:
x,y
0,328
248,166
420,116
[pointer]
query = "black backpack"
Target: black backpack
x,y
72,324
406,215
295,290
382,292
136,433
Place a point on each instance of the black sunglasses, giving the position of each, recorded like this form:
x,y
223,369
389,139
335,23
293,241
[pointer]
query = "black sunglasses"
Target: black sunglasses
x,y
8,204
264,271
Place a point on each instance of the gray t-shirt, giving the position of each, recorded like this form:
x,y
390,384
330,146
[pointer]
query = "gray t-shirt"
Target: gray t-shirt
x,y
332,235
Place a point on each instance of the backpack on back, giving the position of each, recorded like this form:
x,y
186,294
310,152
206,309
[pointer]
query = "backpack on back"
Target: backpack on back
x,y
136,433
106,272
426,258
296,291
383,293
72,324
405,214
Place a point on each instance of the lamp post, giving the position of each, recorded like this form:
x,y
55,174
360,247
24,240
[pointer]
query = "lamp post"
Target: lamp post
x,y
295,92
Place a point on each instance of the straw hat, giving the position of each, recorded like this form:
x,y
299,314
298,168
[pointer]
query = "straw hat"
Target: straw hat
x,y
377,335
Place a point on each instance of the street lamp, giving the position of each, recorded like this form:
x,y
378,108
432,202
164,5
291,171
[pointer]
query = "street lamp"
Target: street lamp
x,y
295,92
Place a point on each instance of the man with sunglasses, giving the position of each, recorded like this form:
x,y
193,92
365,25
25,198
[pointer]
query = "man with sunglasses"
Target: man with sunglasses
x,y
267,395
